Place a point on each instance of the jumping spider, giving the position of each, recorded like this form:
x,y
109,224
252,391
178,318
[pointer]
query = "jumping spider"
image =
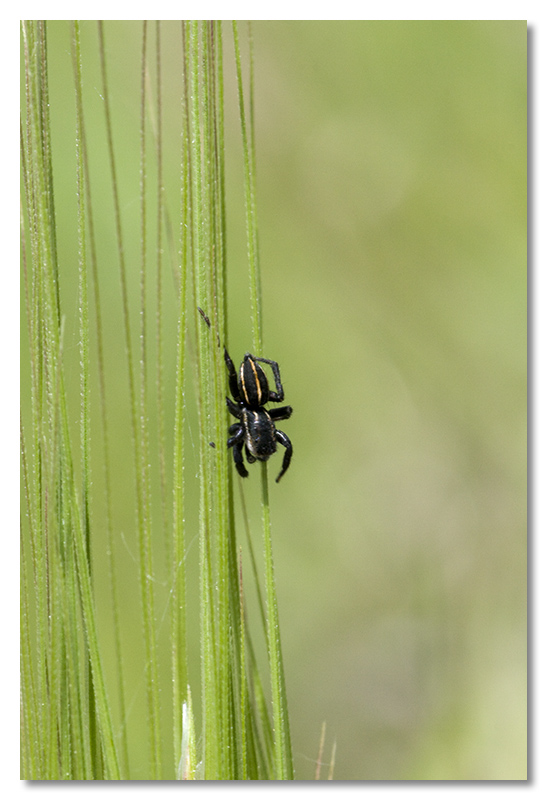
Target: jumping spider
x,y
255,429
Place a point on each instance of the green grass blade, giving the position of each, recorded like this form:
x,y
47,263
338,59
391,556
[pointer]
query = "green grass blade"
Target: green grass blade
x,y
30,710
160,211
282,741
179,655
145,533
92,742
200,261
188,767
138,409
99,344
75,600
75,727
250,206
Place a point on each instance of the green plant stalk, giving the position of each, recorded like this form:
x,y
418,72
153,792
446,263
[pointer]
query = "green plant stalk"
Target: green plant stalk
x,y
89,731
33,177
44,349
250,207
112,571
69,692
211,753
179,658
260,760
187,767
122,266
86,599
145,534
219,583
46,145
138,411
213,178
159,283
66,635
243,691
34,686
29,703
282,743
264,756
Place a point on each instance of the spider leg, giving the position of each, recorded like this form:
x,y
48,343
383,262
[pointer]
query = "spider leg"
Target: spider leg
x,y
232,376
238,460
275,397
237,434
283,439
237,442
280,413
233,408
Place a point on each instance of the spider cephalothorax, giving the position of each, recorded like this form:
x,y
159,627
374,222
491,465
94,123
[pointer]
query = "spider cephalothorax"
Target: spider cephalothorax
x,y
255,430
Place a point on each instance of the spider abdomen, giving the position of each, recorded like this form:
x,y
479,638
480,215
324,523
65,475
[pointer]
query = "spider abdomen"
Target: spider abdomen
x,y
259,434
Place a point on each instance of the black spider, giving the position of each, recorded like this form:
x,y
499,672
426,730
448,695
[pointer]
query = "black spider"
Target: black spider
x,y
255,429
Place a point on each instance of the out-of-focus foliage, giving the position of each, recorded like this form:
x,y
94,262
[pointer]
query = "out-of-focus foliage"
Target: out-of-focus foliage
x,y
392,196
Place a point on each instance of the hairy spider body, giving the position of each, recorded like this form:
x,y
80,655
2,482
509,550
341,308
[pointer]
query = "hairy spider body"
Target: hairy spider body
x,y
255,431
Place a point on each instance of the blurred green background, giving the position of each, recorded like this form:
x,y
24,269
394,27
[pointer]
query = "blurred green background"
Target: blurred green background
x,y
391,195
